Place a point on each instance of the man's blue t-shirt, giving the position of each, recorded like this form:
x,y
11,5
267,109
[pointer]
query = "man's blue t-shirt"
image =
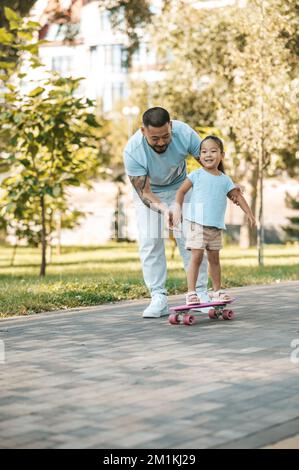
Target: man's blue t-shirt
x,y
209,198
167,170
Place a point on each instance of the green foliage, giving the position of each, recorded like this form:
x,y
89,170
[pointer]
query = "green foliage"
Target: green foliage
x,y
22,7
55,148
129,16
233,68
24,221
16,37
51,145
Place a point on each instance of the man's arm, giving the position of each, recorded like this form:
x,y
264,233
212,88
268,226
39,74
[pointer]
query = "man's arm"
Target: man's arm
x,y
233,195
240,201
142,187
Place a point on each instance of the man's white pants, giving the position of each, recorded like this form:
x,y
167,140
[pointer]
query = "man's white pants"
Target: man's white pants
x,y
151,237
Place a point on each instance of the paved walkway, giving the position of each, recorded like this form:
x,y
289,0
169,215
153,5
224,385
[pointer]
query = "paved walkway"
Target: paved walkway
x,y
105,378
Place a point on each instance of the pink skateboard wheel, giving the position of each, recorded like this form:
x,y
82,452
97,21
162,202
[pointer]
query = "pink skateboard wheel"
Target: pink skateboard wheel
x,y
189,319
228,314
173,319
212,314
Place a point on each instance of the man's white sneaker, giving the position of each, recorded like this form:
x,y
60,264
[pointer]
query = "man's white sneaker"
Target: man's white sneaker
x,y
157,308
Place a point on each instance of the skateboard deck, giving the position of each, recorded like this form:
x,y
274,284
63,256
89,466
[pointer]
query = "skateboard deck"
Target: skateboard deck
x,y
217,310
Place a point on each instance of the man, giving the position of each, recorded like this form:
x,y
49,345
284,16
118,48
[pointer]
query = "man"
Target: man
x,y
155,162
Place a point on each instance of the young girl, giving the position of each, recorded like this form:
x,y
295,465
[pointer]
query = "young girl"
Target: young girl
x,y
205,215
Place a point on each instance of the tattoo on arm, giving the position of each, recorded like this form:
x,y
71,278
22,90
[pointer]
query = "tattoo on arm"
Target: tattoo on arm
x,y
139,183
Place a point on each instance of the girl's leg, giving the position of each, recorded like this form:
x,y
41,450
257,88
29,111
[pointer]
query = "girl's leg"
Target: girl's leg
x,y
193,268
180,236
215,269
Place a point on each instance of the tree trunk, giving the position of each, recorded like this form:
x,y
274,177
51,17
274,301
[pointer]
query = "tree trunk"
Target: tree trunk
x,y
120,217
14,252
248,236
43,238
260,231
50,252
58,230
244,234
254,187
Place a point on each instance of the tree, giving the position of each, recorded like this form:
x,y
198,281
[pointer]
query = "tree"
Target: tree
x,y
233,68
51,146
15,34
55,149
129,16
23,222
21,7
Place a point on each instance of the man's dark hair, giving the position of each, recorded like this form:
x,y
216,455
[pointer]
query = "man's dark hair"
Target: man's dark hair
x,y
155,117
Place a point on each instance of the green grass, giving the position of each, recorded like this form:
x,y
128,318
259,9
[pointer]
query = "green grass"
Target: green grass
x,y
94,275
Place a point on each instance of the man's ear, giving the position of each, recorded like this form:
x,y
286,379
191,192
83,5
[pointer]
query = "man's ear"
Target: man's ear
x,y
142,130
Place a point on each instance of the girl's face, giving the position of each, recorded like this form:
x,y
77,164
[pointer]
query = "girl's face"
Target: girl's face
x,y
210,154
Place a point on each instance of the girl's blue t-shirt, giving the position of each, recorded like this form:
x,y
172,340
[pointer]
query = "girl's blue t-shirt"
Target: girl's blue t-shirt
x,y
209,198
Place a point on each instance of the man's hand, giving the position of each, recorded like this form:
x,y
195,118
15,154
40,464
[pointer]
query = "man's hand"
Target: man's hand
x,y
170,220
177,216
251,220
235,193
236,196
168,217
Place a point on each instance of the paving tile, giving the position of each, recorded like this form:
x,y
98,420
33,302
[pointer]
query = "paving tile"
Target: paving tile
x,y
105,378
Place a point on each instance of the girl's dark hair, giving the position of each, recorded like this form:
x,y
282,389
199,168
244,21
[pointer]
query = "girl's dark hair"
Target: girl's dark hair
x,y
220,145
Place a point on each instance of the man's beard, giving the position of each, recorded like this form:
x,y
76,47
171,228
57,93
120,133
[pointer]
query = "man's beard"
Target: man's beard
x,y
159,149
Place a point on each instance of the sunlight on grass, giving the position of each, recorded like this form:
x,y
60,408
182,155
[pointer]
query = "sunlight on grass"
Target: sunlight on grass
x,y
94,275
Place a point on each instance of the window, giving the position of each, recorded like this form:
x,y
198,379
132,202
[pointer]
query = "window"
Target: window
x,y
93,53
117,90
105,21
108,55
62,64
114,57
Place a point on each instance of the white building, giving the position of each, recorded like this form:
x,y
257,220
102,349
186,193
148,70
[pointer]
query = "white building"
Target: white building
x,y
97,52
